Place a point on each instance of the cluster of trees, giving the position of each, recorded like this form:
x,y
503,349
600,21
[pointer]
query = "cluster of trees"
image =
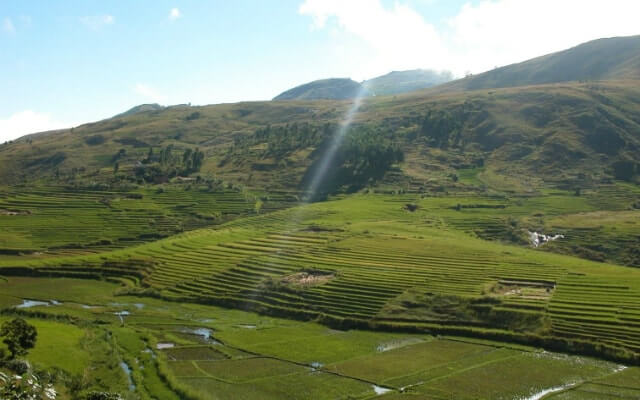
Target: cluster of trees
x,y
363,157
190,160
168,163
282,140
441,128
625,170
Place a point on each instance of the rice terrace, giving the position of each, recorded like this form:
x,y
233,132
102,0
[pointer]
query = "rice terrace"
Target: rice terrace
x,y
419,235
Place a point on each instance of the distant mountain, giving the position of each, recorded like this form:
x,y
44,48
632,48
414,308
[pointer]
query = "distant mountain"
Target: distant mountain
x,y
342,88
141,108
406,81
602,59
331,89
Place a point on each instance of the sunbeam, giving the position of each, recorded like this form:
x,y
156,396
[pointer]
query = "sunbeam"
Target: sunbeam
x,y
321,172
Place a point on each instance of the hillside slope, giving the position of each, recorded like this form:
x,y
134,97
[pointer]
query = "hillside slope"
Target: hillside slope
x,y
564,135
330,89
602,59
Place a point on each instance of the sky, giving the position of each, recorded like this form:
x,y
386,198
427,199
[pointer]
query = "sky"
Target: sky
x,y
68,62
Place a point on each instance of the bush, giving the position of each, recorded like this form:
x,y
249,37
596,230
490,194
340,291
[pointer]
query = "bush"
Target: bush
x,y
103,396
94,140
624,170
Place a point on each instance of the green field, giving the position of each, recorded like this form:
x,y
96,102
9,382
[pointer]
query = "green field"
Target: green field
x,y
248,356
445,300
431,270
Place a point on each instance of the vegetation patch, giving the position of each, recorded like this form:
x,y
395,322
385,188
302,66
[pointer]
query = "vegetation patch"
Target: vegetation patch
x,y
520,289
416,305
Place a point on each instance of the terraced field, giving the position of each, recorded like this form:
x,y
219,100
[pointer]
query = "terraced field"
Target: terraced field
x,y
366,261
177,350
62,220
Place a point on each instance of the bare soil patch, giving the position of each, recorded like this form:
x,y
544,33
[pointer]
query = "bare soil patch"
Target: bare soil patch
x,y
308,278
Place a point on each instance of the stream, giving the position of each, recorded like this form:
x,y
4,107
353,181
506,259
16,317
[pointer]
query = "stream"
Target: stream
x,y
127,370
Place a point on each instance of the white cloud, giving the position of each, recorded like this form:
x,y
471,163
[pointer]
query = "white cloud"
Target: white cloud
x,y
149,93
482,35
502,32
7,25
97,22
396,38
28,121
174,14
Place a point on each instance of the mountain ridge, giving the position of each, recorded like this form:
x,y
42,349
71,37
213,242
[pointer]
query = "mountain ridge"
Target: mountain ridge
x,y
616,58
394,82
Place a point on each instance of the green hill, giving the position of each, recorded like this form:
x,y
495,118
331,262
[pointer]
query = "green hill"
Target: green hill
x,y
332,89
405,81
602,59
560,135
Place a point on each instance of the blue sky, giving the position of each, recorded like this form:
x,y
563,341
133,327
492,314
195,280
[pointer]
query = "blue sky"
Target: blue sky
x,y
63,63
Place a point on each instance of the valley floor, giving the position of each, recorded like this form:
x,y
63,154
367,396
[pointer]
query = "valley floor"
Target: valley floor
x,y
176,351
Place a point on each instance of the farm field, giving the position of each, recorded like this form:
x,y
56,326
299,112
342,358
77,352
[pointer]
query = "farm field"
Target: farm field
x,y
196,351
366,261
98,219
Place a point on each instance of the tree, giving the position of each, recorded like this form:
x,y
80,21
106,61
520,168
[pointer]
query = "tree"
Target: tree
x,y
149,156
624,170
258,206
19,336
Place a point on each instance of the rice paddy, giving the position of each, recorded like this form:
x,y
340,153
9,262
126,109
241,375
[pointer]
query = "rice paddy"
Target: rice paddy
x,y
360,296
282,358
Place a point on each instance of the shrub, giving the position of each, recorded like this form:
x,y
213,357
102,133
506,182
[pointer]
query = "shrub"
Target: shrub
x,y
94,140
103,396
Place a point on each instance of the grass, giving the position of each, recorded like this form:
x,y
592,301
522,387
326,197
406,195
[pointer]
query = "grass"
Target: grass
x,y
60,289
525,375
59,345
247,370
